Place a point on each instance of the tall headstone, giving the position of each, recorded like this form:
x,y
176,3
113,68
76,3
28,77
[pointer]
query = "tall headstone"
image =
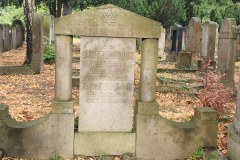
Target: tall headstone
x,y
177,37
227,50
14,38
161,44
106,84
48,28
194,35
37,41
19,41
208,40
7,37
1,39
193,43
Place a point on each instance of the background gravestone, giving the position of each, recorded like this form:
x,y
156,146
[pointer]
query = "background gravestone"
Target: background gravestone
x,y
177,37
194,35
106,84
7,37
14,38
227,50
161,44
209,33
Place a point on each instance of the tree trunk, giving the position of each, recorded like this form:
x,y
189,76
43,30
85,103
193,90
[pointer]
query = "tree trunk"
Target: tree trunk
x,y
59,8
28,11
67,8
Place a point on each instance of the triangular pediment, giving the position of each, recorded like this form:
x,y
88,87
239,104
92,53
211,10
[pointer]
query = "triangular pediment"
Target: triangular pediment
x,y
108,21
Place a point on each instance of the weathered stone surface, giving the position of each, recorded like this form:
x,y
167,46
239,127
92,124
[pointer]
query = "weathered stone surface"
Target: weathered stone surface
x,y
148,70
42,141
161,44
7,70
184,60
227,50
214,155
209,33
233,143
95,144
164,136
106,84
14,38
194,35
63,86
108,21
37,48
6,37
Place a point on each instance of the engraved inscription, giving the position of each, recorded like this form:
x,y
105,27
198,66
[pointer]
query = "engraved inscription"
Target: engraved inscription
x,y
106,83
108,16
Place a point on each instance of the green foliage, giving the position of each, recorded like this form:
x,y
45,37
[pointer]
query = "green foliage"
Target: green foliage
x,y
10,14
49,52
198,154
56,157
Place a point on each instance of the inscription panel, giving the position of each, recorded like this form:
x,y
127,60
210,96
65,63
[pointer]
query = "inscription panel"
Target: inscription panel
x,y
106,84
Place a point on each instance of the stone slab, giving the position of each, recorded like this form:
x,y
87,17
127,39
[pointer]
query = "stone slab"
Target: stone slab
x,y
97,144
43,141
7,70
109,21
106,84
205,113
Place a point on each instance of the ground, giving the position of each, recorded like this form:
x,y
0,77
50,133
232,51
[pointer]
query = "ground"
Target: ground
x,y
29,96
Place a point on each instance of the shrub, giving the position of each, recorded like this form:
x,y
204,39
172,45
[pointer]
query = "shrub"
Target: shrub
x,y
49,54
214,94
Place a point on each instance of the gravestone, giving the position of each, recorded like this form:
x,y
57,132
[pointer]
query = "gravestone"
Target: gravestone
x,y
48,28
1,38
161,44
37,41
177,37
14,38
6,37
193,43
106,84
227,50
208,40
19,41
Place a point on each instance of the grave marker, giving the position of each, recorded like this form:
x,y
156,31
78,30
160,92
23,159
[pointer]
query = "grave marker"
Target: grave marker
x,y
209,33
106,84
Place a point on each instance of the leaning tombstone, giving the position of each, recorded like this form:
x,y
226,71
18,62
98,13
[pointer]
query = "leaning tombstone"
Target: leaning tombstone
x,y
227,51
233,146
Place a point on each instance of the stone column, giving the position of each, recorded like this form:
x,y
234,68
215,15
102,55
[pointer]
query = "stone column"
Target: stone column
x,y
148,70
63,75
37,41
227,50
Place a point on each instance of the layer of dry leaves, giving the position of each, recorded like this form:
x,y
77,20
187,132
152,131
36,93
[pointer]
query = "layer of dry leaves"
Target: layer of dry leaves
x,y
29,96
